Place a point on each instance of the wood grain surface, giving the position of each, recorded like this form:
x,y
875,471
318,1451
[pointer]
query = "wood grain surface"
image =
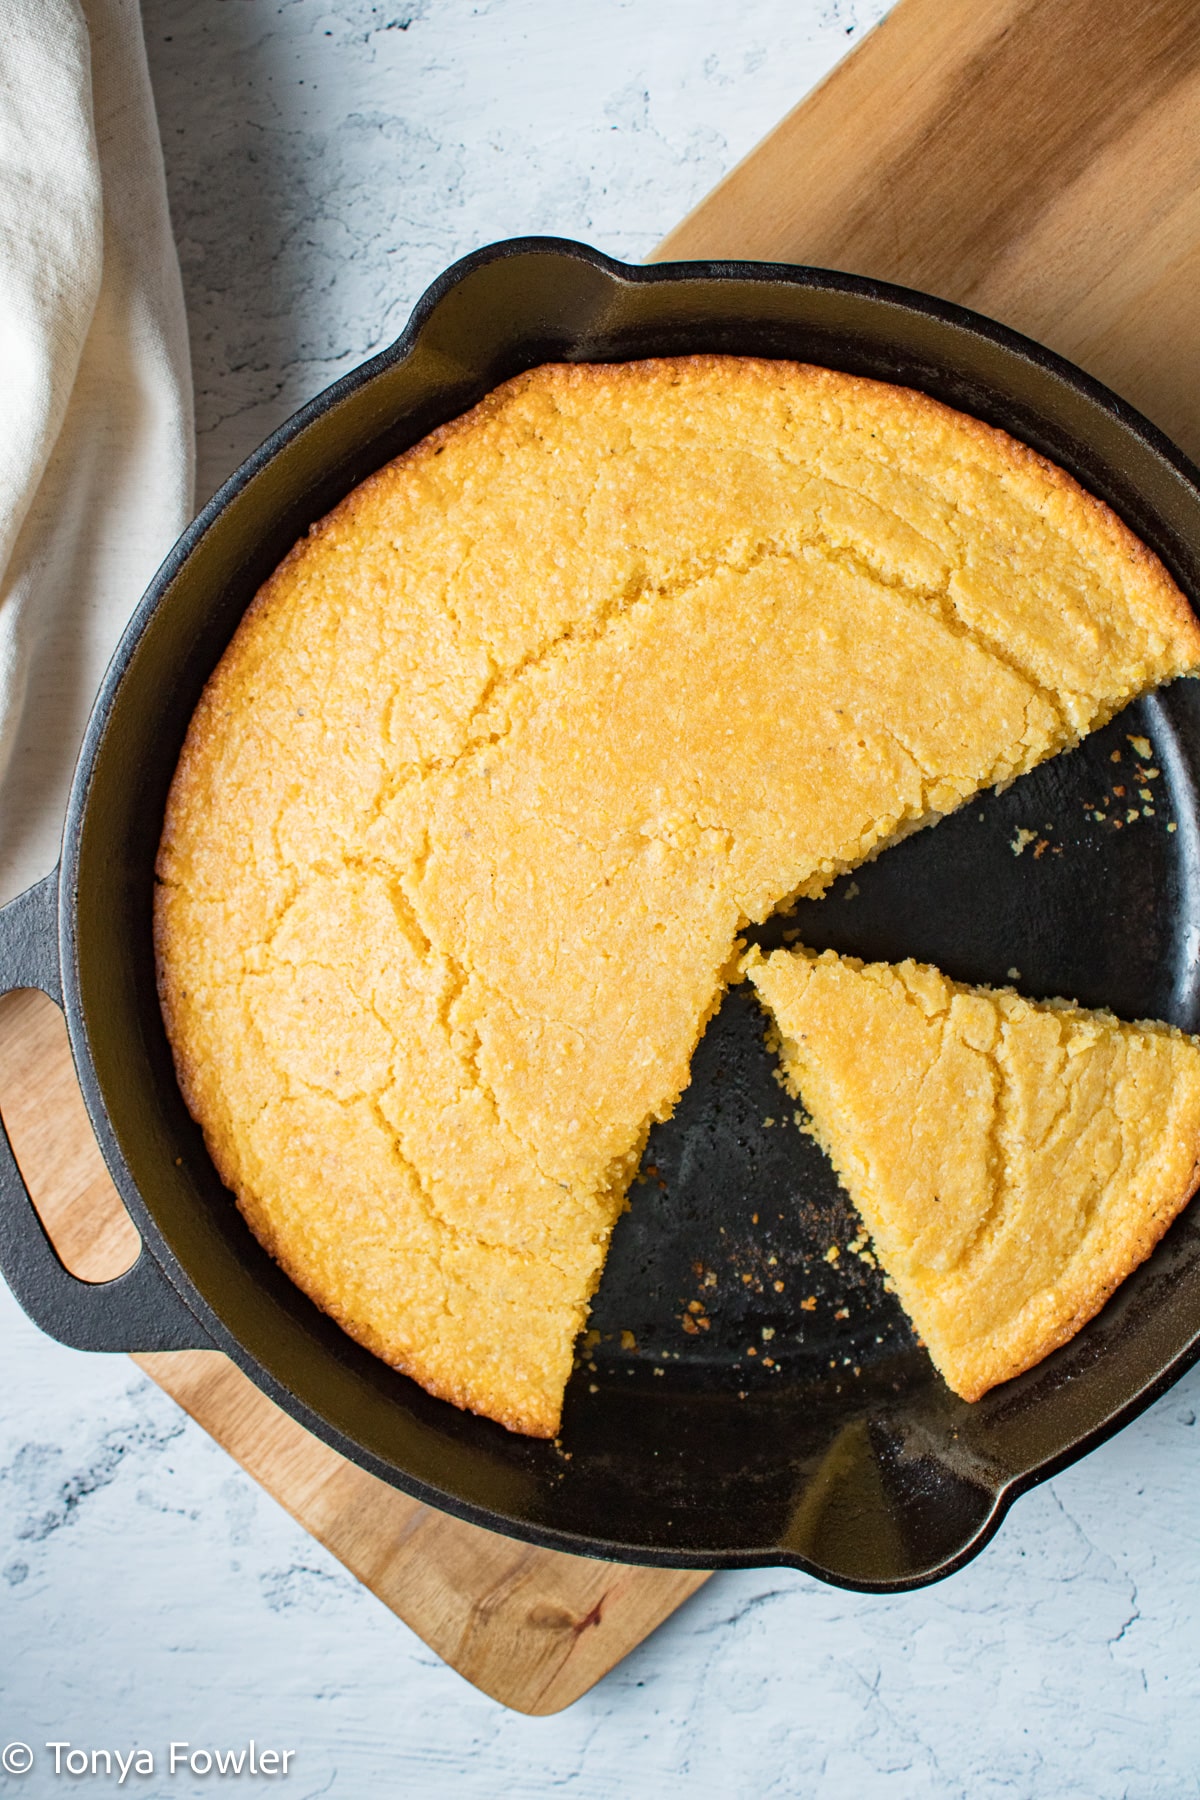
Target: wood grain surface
x,y
1036,159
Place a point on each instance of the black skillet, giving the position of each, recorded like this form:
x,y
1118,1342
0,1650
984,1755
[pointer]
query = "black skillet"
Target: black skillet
x,y
714,1418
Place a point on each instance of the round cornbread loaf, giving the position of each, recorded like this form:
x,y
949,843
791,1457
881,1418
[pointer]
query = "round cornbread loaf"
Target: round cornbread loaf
x,y
519,737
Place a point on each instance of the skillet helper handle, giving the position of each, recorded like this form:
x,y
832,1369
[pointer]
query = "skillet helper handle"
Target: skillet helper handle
x,y
139,1310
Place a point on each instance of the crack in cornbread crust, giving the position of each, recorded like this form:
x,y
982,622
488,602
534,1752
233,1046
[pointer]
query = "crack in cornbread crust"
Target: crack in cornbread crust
x,y
1013,1160
513,744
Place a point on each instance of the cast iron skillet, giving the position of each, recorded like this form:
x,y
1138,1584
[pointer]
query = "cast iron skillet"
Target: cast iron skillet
x,y
763,1431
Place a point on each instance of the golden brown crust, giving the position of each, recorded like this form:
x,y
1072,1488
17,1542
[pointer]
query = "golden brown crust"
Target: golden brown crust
x,y
430,1110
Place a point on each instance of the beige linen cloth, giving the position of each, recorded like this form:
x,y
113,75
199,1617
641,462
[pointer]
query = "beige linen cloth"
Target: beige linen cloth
x,y
96,435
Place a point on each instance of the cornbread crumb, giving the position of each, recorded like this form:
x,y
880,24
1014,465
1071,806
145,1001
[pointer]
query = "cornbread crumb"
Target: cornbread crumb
x,y
464,830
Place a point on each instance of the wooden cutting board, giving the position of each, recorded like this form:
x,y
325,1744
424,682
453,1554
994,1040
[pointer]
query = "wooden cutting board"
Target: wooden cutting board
x,y
1036,159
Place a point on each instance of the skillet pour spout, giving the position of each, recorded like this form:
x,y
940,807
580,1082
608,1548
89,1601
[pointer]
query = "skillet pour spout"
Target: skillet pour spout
x,y
845,1455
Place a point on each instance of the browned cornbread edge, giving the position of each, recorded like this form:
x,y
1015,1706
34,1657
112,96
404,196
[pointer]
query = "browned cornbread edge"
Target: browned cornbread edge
x,y
1086,1301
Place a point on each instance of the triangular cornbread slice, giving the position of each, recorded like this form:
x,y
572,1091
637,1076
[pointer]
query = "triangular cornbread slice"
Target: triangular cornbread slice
x,y
514,743
1012,1159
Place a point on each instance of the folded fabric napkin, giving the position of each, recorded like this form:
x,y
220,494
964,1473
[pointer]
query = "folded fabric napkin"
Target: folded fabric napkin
x,y
96,452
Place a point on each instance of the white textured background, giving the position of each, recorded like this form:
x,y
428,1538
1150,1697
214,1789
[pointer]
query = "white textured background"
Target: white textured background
x,y
325,162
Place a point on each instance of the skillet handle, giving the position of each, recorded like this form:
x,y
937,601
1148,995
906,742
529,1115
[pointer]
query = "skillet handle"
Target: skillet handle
x,y
139,1310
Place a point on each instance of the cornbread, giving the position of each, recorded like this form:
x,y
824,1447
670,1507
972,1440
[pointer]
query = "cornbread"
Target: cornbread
x,y
1013,1160
515,741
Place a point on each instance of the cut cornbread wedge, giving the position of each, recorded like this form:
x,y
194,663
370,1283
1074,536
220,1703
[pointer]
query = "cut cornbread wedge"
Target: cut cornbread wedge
x,y
1012,1159
512,745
